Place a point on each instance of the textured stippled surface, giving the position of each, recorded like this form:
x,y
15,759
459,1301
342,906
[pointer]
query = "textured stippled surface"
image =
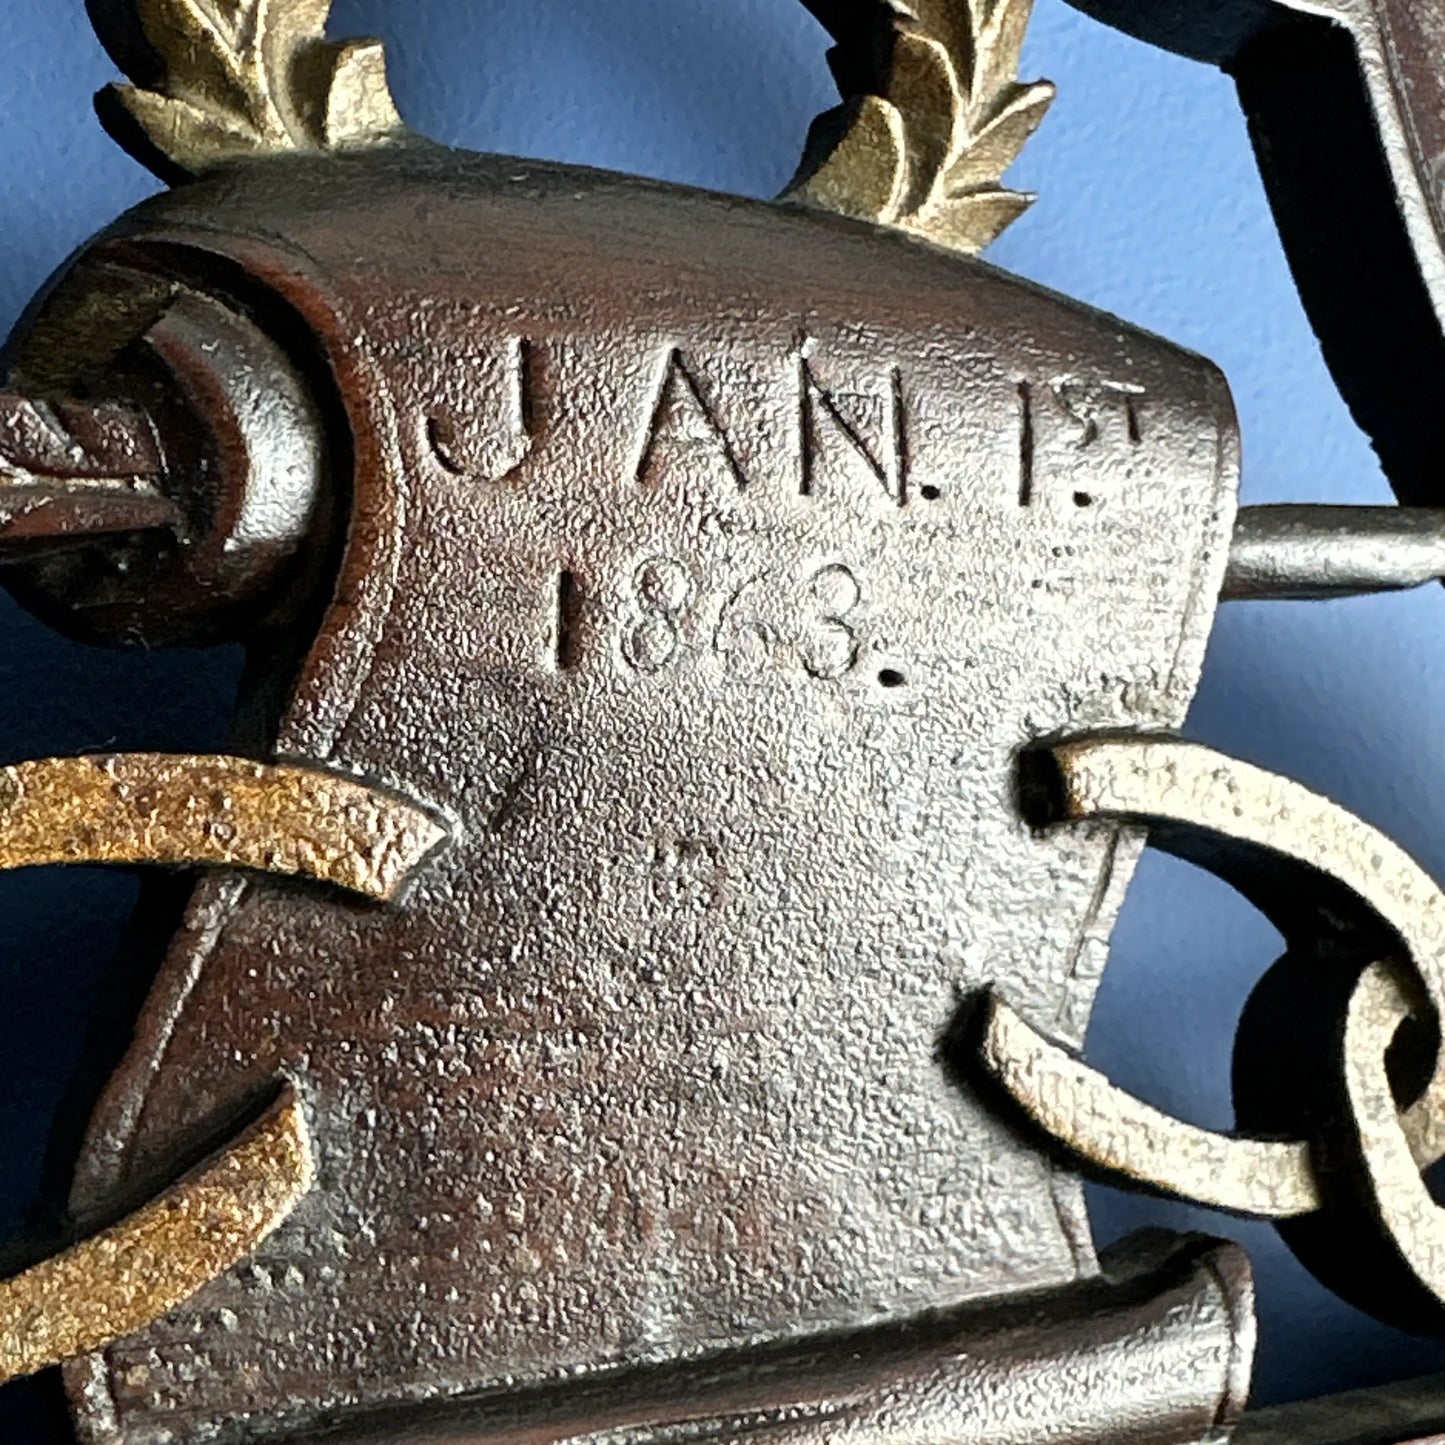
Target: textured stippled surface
x,y
129,1275
1157,1354
708,567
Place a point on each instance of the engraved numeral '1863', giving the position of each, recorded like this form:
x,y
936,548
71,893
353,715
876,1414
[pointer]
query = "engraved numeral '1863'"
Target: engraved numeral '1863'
x,y
761,625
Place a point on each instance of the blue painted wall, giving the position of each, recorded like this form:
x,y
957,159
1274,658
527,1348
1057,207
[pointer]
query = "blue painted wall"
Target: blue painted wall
x,y
1150,207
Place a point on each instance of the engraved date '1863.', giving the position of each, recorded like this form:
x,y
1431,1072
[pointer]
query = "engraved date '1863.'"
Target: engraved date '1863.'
x,y
809,619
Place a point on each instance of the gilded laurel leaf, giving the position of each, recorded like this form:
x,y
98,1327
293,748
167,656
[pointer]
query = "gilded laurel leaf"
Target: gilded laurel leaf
x,y
242,78
866,168
997,144
1000,42
942,76
921,86
191,138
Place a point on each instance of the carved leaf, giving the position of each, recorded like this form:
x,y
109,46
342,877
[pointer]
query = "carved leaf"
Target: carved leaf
x,y
862,168
949,69
214,67
285,28
359,107
954,23
999,40
997,144
253,77
922,84
192,138
973,222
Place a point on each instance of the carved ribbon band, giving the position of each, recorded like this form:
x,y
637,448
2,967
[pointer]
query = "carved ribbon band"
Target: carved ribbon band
x,y
1344,879
188,811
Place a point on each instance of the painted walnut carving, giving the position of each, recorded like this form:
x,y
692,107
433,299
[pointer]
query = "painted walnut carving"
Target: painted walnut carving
x,y
722,663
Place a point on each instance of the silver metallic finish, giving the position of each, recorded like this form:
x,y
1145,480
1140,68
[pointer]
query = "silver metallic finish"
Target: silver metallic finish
x,y
1157,1352
1311,553
709,564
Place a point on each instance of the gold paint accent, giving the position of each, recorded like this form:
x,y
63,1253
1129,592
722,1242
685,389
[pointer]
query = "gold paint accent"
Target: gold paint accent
x,y
245,78
1160,780
1268,1179
188,811
1152,780
212,812
933,115
126,1278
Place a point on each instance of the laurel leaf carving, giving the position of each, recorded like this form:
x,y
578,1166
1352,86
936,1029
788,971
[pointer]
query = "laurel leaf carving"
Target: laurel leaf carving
x,y
864,167
244,78
1000,43
997,143
922,83
948,71
192,138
